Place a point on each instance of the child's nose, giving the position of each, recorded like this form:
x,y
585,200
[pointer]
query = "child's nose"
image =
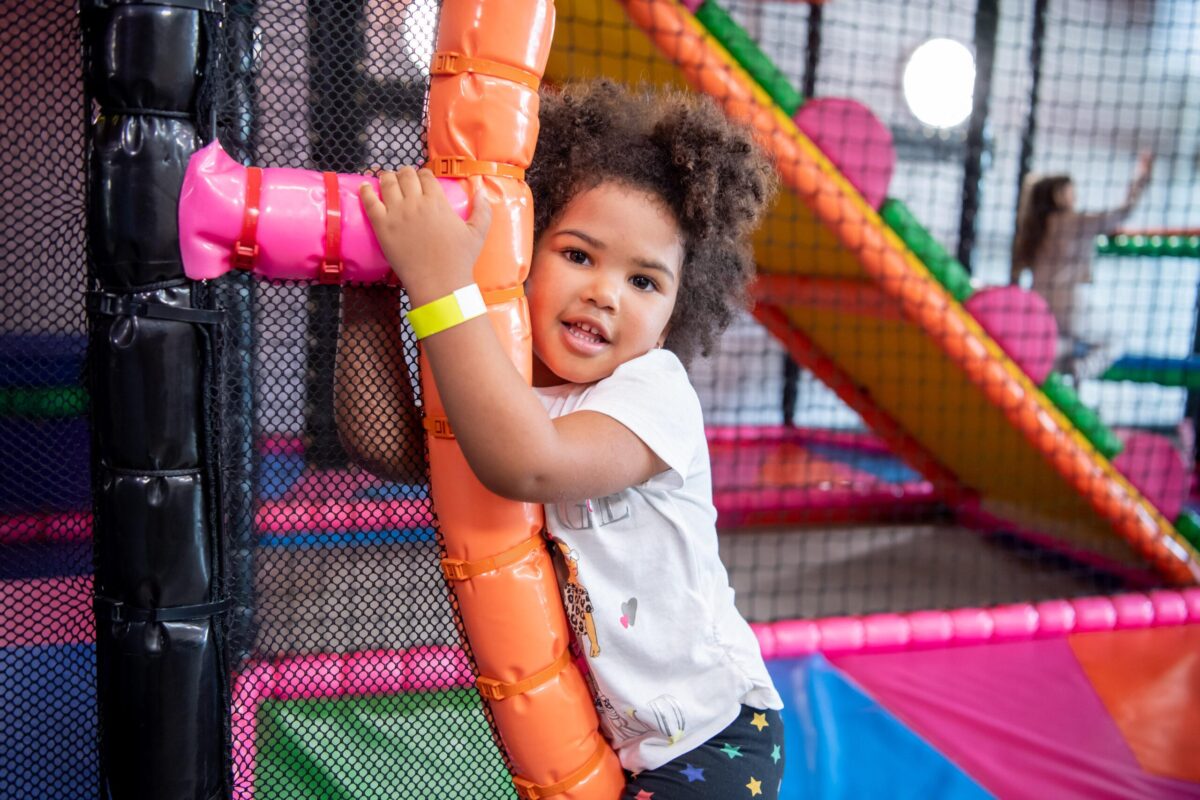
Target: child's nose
x,y
604,291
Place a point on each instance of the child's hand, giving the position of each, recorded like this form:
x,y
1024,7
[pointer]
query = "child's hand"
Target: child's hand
x,y
1144,165
429,248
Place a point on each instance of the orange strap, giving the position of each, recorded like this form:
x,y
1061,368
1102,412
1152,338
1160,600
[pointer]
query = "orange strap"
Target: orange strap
x,y
456,569
448,63
528,790
331,266
460,167
494,297
492,689
245,249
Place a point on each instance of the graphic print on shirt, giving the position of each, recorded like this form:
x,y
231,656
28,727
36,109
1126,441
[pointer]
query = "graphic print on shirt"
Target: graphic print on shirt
x,y
588,514
579,604
618,727
668,717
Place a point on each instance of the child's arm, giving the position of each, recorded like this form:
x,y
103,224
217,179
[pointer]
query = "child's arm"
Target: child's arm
x,y
507,437
377,419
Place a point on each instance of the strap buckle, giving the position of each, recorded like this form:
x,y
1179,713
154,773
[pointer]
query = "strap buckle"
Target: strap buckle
x,y
455,569
438,427
445,63
490,688
527,789
449,166
244,256
329,272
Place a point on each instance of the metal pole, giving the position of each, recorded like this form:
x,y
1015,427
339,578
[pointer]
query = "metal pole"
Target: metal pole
x,y
986,23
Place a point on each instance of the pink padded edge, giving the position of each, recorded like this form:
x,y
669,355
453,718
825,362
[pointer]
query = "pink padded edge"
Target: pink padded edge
x,y
967,626
291,223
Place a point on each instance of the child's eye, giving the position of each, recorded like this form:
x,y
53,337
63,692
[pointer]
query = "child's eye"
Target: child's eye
x,y
644,283
575,256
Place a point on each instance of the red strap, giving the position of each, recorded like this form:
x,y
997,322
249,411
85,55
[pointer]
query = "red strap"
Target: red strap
x,y
245,249
331,265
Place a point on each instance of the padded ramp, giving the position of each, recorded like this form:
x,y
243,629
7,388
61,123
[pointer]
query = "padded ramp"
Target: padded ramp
x,y
931,371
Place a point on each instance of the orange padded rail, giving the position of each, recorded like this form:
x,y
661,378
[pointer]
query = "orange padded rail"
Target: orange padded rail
x,y
512,616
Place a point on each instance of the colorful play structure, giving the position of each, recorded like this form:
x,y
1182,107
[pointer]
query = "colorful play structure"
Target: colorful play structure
x,y
343,634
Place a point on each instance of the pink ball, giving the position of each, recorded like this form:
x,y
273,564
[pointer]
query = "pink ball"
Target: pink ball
x,y
855,140
1154,465
1021,323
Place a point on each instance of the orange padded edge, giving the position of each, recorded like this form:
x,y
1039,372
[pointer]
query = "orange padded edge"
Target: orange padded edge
x,y
512,618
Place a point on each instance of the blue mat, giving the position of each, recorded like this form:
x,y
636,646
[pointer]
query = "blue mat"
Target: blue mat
x,y
841,744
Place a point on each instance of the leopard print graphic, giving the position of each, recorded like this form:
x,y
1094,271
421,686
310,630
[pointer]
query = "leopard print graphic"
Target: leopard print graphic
x,y
579,604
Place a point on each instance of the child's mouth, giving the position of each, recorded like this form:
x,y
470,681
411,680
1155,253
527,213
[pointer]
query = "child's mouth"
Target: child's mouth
x,y
585,334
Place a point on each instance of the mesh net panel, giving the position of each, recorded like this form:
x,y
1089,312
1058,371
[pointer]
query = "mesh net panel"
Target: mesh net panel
x,y
47,659
856,467
345,605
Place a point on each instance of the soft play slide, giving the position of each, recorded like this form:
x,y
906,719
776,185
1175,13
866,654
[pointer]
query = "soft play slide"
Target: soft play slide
x,y
862,295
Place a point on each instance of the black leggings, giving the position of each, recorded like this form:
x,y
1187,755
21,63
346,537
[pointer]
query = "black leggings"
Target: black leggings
x,y
743,761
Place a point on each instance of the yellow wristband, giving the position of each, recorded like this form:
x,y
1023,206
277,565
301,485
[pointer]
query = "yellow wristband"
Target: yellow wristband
x,y
446,312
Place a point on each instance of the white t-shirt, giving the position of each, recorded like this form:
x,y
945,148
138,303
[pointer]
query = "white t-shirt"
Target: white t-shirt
x,y
670,657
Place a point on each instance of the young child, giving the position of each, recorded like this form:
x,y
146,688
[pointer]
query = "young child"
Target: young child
x,y
643,207
1056,242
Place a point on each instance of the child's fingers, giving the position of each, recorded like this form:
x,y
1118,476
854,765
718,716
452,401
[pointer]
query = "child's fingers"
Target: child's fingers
x,y
481,214
389,189
372,205
429,183
410,184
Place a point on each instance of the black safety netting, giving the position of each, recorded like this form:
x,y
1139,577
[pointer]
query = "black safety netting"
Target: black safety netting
x,y
351,678
47,655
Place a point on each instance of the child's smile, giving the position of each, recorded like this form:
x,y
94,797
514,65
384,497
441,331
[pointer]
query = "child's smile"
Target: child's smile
x,y
602,285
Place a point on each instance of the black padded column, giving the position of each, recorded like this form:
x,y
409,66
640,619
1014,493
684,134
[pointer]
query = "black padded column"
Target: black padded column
x,y
161,679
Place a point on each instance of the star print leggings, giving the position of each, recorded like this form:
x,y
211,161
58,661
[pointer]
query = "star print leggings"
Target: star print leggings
x,y
743,761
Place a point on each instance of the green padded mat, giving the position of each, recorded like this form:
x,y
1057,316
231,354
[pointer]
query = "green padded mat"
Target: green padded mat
x,y
379,747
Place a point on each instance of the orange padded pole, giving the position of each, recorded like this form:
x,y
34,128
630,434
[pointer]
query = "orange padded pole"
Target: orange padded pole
x,y
483,124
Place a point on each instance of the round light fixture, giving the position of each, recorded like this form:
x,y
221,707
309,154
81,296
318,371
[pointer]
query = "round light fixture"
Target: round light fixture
x,y
939,82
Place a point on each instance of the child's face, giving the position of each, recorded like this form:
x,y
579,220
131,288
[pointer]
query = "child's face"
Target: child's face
x,y
602,284
1065,197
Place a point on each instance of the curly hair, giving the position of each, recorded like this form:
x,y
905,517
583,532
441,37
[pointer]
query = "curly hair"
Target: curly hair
x,y
677,147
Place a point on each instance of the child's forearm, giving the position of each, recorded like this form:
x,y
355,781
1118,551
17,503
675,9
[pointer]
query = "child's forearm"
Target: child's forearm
x,y
505,434
377,418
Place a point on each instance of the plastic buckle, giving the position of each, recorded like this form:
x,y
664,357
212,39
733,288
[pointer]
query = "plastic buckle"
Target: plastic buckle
x,y
244,257
445,63
449,167
490,688
439,428
526,789
454,569
330,272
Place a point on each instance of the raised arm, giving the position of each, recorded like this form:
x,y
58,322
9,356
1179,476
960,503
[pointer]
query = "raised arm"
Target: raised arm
x,y
377,418
1101,222
507,437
